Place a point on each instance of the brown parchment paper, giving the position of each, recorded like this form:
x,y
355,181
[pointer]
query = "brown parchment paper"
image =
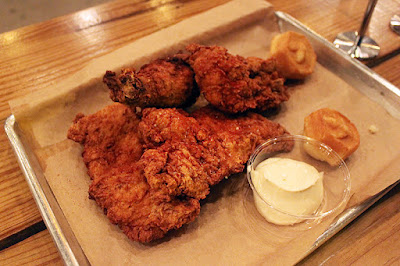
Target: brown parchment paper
x,y
229,230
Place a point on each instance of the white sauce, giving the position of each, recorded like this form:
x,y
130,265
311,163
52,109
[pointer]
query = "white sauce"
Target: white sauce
x,y
290,186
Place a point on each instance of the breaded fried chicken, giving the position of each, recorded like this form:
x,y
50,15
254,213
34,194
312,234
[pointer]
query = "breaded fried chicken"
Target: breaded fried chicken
x,y
109,137
143,214
161,83
235,84
238,137
149,173
190,154
112,148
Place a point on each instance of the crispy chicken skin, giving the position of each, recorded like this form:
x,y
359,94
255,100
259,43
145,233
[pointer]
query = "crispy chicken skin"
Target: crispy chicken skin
x,y
191,153
170,164
161,83
112,149
149,173
233,139
235,84
110,138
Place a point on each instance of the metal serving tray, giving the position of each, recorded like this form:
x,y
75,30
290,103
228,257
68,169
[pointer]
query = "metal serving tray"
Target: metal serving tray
x,y
350,70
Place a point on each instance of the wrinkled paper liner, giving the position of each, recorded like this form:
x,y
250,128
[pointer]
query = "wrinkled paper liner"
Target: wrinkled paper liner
x,y
227,230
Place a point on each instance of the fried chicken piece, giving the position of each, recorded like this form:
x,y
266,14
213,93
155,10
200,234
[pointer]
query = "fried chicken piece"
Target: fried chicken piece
x,y
159,125
235,84
148,175
142,213
112,148
175,171
161,83
109,137
190,154
238,136
169,163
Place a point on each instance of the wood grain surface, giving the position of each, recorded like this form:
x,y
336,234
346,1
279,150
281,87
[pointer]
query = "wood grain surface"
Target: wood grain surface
x,y
38,249
331,17
390,70
43,54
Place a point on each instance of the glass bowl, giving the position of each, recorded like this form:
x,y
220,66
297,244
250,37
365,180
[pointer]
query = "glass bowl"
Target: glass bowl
x,y
335,182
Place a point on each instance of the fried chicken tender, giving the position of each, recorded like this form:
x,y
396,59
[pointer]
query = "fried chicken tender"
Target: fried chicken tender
x,y
142,213
171,137
238,137
148,173
189,154
110,138
235,84
159,125
161,83
112,149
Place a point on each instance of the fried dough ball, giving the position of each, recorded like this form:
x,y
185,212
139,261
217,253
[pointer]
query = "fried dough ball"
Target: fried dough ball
x,y
333,129
295,57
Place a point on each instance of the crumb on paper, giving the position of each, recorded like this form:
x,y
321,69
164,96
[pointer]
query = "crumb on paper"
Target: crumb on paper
x,y
373,129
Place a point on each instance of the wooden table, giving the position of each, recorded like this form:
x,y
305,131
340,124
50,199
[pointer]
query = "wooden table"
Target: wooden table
x,y
41,55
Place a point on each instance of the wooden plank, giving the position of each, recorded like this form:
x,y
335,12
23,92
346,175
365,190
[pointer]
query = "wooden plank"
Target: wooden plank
x,y
39,249
22,235
390,70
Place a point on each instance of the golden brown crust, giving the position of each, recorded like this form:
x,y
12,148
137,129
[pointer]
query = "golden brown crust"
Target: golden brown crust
x,y
334,129
149,172
160,83
112,150
295,57
235,84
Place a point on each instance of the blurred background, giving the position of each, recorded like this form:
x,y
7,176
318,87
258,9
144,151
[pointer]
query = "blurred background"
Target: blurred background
x,y
19,13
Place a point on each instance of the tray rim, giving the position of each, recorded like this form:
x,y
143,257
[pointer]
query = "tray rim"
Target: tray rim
x,y
56,230
39,195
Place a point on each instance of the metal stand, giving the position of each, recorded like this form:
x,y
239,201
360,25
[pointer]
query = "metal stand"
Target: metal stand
x,y
356,44
395,24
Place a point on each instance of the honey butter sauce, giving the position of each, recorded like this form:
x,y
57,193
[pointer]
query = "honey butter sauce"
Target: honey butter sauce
x,y
290,186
